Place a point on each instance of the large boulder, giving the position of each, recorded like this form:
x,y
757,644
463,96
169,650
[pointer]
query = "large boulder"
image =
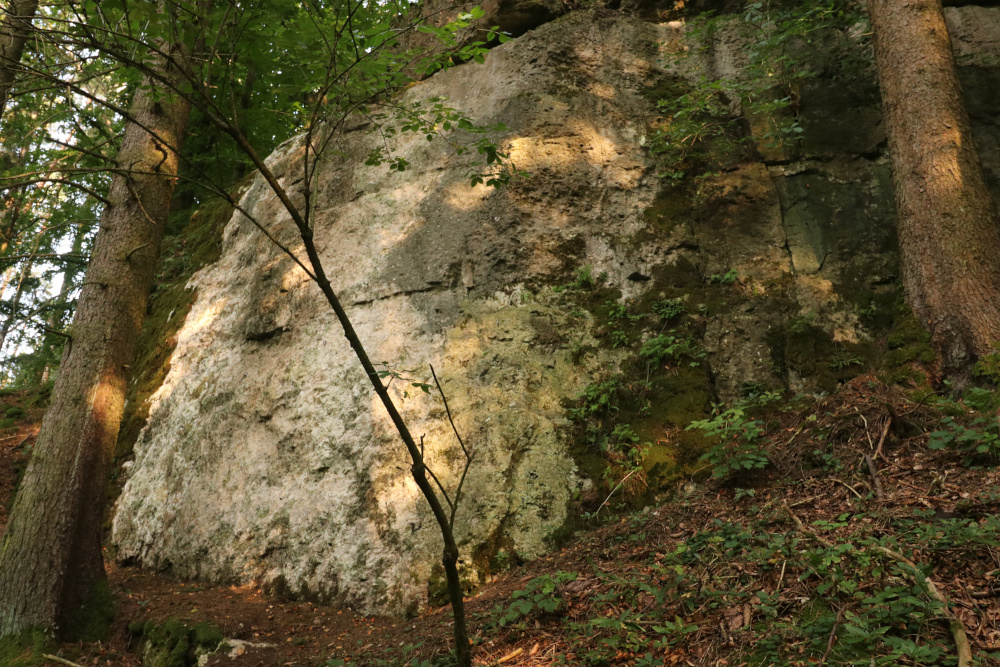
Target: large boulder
x,y
267,458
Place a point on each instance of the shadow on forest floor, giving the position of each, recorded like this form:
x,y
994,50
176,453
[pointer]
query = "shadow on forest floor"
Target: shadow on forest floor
x,y
788,565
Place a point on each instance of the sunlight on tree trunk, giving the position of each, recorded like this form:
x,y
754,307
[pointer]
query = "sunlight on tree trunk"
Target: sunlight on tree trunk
x,y
50,555
949,235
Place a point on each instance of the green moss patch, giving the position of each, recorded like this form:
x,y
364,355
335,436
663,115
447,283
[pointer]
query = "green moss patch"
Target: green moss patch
x,y
173,643
630,422
25,649
196,245
908,350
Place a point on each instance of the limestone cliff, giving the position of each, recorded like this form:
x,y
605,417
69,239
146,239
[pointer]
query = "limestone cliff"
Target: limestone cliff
x,y
265,456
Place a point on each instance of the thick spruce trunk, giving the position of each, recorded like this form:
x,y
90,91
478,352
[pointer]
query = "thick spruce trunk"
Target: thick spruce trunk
x,y
50,554
13,36
949,234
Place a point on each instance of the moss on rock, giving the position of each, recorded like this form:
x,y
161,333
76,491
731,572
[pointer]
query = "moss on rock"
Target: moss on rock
x,y
174,643
199,243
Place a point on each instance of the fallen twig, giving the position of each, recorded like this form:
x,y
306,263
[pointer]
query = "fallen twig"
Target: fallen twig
x,y
510,656
56,658
781,576
803,502
849,487
957,629
833,636
874,472
613,491
881,440
955,625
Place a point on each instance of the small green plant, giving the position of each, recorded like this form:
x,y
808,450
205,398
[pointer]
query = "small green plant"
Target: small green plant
x,y
670,347
537,598
597,399
988,366
843,361
727,278
980,399
752,389
704,123
7,422
389,371
801,323
668,309
619,318
502,561
979,442
618,339
739,438
625,449
585,280
826,460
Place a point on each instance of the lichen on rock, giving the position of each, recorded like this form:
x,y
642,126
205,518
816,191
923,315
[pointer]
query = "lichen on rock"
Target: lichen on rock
x,y
265,456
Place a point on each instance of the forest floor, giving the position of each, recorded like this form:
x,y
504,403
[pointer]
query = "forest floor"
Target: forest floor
x,y
872,537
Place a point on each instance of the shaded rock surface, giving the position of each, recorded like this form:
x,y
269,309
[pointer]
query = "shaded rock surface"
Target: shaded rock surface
x,y
266,457
512,17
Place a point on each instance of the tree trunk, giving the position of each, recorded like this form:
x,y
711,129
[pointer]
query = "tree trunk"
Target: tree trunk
x,y
13,36
50,554
15,301
949,234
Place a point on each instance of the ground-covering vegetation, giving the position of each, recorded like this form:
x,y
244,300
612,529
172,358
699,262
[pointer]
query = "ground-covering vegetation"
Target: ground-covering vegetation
x,y
860,537
774,529
867,536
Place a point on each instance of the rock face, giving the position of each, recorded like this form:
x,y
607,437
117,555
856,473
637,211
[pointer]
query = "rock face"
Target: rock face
x,y
266,457
512,17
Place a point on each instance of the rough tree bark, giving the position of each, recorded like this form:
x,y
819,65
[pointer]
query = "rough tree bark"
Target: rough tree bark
x,y
13,36
50,554
949,232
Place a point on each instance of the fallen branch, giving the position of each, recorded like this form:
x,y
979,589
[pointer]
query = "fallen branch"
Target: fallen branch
x,y
56,658
848,487
881,440
613,491
954,624
833,636
510,656
874,471
957,629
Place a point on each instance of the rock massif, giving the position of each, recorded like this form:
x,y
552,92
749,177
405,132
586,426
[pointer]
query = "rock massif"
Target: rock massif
x,y
265,456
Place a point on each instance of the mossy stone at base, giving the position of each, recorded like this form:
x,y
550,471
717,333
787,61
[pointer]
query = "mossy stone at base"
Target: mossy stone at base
x,y
808,351
437,585
172,643
14,412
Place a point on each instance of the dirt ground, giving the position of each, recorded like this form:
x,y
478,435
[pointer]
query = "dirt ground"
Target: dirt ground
x,y
261,631
618,573
13,458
